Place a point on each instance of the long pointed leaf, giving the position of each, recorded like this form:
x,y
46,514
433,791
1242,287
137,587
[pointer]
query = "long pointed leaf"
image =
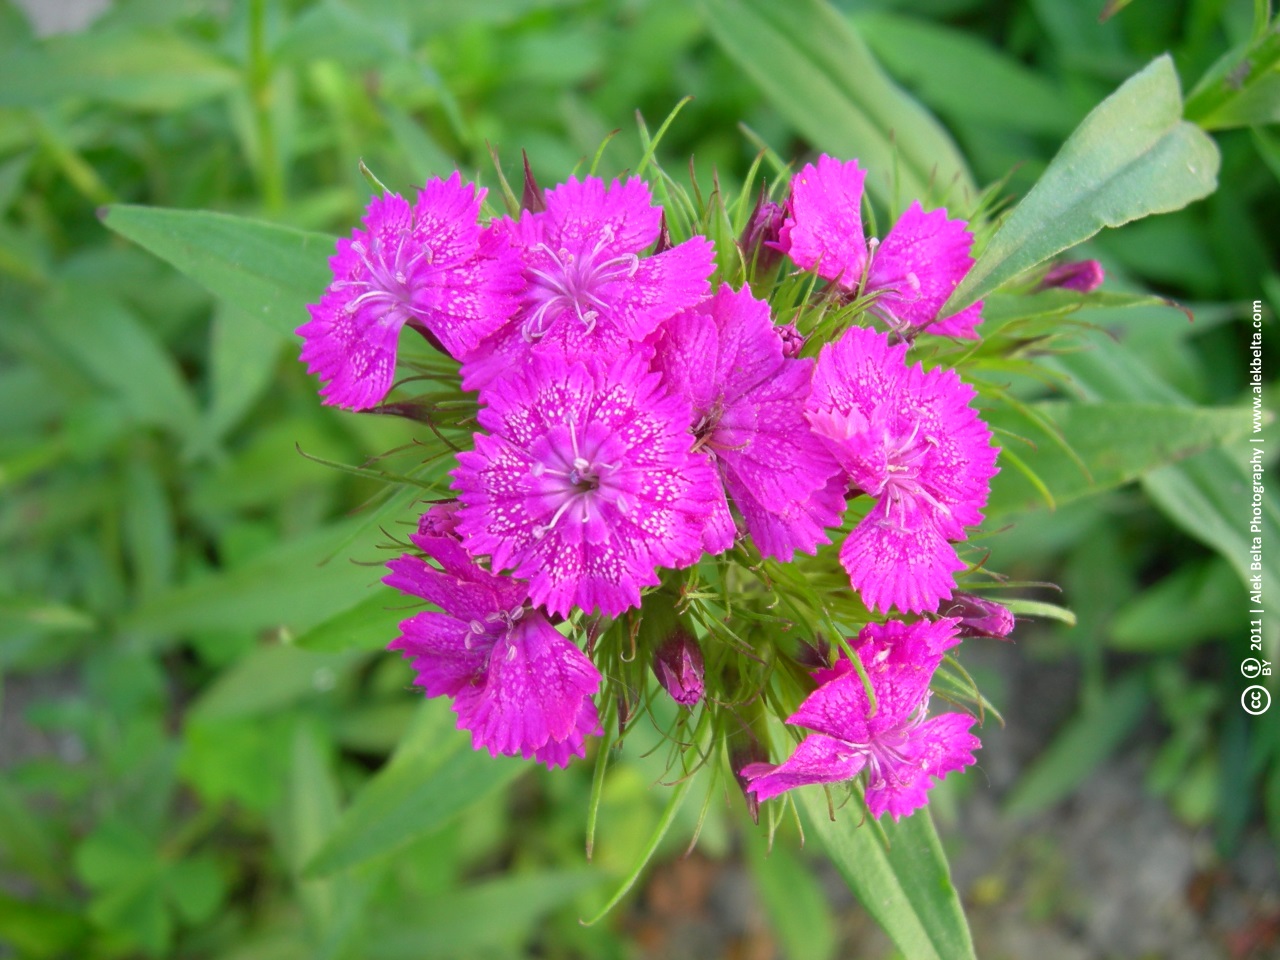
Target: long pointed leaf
x,y
1132,156
267,271
899,873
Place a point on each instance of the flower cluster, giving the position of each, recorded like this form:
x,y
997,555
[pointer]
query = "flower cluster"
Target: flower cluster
x,y
635,420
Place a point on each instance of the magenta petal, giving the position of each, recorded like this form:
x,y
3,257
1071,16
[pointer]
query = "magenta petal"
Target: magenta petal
x,y
588,484
916,267
430,265
824,230
442,653
797,525
818,759
720,531
938,746
661,285
900,561
558,753
620,218
726,357
962,325
533,690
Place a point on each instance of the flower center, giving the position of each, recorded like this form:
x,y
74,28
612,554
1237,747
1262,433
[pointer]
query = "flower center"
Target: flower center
x,y
388,264
571,283
493,626
579,478
887,761
902,486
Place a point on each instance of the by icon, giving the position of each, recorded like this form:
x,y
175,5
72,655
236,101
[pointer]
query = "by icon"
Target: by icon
x,y
1251,667
1256,699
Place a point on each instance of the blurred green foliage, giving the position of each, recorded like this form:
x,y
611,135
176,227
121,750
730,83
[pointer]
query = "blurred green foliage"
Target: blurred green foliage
x,y
197,717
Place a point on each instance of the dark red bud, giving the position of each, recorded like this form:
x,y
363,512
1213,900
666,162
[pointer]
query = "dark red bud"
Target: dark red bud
x,y
744,750
978,617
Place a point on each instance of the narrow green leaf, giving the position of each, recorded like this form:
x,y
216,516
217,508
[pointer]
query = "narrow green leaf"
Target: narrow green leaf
x,y
267,679
141,70
1203,496
793,899
311,811
819,73
1118,443
898,872
369,625
289,587
36,613
964,77
1208,498
490,916
1195,602
149,531
434,776
119,353
678,794
266,271
1242,89
1042,610
243,356
1086,741
1132,156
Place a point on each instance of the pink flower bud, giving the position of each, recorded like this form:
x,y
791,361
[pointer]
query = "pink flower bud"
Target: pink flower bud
x,y
792,340
978,617
678,667
1083,276
761,238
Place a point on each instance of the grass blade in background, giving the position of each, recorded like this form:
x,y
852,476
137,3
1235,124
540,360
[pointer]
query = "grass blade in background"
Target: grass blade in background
x,y
820,75
433,776
1132,156
1086,741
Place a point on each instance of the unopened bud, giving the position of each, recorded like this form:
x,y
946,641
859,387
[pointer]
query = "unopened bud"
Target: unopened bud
x,y
978,617
664,236
440,520
792,340
678,667
761,239
746,749
815,654
1083,276
531,198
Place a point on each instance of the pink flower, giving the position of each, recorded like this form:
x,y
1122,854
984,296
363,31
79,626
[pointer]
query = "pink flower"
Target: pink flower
x,y
910,438
517,684
727,358
586,483
901,751
909,274
429,266
588,288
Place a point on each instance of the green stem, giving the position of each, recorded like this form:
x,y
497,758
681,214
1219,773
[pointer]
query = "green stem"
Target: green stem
x,y
270,178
